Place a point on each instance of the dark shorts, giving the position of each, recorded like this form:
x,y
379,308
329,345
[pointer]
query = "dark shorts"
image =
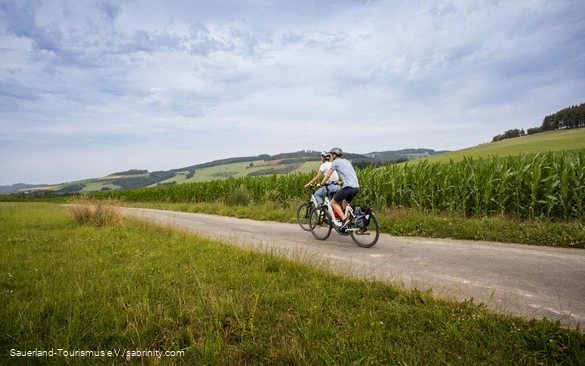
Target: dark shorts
x,y
346,193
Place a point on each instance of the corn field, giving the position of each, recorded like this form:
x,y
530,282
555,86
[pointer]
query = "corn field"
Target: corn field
x,y
550,185
273,188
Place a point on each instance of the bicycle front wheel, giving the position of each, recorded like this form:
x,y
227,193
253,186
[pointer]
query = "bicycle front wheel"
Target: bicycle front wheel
x,y
303,213
367,236
320,223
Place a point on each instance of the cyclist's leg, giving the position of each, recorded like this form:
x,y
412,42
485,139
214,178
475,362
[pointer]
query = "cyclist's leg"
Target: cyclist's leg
x,y
344,194
333,188
337,207
350,197
319,194
338,199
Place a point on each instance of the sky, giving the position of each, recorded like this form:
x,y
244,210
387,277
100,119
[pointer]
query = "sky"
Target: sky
x,y
88,88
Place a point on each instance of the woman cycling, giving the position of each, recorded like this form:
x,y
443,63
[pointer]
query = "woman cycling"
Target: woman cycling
x,y
323,169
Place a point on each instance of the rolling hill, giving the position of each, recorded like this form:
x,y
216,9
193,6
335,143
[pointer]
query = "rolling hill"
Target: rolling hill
x,y
573,139
300,161
305,161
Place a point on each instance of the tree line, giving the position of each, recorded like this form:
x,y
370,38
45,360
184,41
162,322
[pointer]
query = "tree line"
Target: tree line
x,y
131,172
570,117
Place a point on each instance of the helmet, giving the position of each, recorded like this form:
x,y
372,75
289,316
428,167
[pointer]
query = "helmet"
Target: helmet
x,y
326,154
337,151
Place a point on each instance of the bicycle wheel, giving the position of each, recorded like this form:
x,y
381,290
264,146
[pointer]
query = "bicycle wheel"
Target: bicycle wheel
x,y
320,223
303,213
367,236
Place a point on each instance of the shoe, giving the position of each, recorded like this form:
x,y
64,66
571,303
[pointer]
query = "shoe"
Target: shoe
x,y
344,224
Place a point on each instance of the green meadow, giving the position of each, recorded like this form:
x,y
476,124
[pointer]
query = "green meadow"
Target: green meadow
x,y
573,139
124,286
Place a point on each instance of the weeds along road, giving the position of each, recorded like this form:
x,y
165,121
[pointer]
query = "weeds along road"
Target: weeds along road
x,y
523,280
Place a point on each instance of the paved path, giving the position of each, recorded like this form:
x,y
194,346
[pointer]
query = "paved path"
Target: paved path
x,y
516,279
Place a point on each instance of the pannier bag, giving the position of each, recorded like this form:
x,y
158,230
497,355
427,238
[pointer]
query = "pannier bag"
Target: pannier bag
x,y
362,216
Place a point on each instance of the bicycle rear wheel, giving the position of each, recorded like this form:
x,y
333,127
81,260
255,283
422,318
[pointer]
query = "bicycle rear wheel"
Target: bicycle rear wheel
x,y
367,236
320,223
303,213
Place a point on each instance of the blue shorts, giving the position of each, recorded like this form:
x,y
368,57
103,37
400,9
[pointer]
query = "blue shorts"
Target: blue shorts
x,y
346,193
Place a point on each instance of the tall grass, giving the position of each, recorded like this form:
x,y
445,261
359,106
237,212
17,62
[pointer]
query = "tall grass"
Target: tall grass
x,y
546,185
85,210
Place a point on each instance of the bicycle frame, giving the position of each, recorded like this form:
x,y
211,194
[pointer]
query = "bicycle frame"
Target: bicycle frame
x,y
327,202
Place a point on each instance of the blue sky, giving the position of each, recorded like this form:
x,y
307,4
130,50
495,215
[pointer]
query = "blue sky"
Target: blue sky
x,y
88,88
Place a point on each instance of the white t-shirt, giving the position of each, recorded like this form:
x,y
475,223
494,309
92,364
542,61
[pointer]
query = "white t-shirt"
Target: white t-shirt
x,y
325,168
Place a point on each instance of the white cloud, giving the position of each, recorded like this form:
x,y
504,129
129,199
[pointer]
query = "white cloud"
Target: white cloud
x,y
231,78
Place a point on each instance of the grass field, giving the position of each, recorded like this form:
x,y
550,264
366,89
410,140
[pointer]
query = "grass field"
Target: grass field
x,y
540,142
135,286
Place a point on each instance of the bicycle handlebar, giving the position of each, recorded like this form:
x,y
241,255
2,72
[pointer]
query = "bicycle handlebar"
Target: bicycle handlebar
x,y
323,185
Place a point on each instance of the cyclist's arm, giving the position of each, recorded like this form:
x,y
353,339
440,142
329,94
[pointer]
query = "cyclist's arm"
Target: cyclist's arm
x,y
320,173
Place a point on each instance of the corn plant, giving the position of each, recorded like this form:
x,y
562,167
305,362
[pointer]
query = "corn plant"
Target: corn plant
x,y
550,185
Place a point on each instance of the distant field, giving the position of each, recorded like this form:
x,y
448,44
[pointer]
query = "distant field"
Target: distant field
x,y
45,188
97,186
236,170
540,142
62,185
309,166
110,177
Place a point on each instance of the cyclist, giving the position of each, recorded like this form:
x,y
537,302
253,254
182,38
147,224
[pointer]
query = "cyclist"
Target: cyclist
x,y
351,186
323,169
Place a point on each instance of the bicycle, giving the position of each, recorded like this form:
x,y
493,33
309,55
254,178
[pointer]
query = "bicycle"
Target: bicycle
x,y
322,220
305,208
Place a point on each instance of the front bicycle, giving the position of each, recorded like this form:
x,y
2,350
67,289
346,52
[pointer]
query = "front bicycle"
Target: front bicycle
x,y
320,222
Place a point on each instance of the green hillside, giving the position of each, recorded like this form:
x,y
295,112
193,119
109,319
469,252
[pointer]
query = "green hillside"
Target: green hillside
x,y
307,161
573,139
237,170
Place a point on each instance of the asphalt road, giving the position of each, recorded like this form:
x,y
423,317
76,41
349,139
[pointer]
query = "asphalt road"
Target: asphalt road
x,y
529,281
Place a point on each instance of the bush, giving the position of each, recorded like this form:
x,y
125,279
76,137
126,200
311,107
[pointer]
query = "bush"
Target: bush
x,y
95,212
240,196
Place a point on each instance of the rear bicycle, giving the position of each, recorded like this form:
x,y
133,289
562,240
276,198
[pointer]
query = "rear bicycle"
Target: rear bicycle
x,y
303,214
304,211
364,227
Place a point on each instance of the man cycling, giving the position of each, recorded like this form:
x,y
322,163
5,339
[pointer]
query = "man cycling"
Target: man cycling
x,y
351,186
323,169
